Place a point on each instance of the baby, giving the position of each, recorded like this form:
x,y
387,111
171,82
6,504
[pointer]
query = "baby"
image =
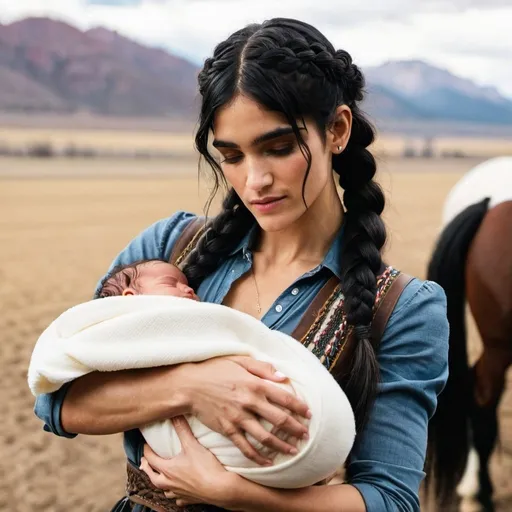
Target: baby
x,y
146,277
156,327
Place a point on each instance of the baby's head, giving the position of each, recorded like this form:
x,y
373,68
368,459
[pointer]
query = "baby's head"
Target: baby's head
x,y
148,277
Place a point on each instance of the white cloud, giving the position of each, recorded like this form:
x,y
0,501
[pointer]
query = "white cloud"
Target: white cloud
x,y
470,38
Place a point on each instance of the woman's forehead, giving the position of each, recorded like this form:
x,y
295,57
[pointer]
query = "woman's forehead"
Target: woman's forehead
x,y
243,120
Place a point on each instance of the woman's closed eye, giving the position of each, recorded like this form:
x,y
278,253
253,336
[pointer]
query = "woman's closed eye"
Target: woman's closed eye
x,y
282,150
232,159
278,151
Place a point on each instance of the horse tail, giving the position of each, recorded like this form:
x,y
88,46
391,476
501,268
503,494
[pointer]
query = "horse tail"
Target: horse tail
x,y
448,441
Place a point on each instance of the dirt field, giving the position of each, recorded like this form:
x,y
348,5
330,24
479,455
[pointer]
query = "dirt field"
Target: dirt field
x,y
58,236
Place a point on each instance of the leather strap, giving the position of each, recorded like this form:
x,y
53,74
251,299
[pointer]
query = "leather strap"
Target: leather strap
x,y
185,238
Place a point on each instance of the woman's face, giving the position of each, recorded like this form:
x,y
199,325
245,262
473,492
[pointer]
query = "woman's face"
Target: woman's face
x,y
262,161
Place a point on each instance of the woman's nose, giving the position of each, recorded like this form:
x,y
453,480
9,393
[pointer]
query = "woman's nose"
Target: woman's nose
x,y
257,177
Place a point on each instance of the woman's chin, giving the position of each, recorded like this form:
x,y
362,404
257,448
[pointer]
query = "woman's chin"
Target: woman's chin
x,y
274,223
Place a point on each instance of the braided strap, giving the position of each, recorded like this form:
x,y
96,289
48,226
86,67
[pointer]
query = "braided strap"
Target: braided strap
x,y
140,490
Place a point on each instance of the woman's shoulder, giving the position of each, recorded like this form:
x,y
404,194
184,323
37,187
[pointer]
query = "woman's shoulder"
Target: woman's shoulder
x,y
418,325
419,293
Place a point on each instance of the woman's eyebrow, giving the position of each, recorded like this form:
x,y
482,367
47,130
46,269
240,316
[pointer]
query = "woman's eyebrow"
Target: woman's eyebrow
x,y
274,134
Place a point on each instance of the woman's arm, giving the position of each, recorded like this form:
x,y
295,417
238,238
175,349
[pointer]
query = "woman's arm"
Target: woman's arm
x,y
196,476
250,497
108,403
386,465
227,394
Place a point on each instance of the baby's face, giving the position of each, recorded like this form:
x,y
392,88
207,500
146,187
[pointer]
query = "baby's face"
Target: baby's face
x,y
160,278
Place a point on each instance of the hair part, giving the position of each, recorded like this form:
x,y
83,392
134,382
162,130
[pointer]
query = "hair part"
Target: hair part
x,y
289,67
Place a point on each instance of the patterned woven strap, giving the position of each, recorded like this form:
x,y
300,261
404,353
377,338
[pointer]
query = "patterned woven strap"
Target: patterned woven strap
x,y
386,306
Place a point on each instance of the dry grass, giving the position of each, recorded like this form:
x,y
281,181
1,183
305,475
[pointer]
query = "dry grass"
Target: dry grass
x,y
58,236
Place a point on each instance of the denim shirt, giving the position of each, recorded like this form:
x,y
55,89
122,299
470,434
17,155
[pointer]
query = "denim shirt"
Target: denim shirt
x,y
386,465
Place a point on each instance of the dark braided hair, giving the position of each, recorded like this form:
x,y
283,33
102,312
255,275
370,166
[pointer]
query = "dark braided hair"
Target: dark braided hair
x,y
289,67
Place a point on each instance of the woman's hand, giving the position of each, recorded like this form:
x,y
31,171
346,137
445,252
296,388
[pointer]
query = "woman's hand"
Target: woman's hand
x,y
193,476
229,395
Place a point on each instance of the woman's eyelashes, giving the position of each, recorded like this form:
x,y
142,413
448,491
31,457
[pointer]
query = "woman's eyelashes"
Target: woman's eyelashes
x,y
278,151
231,159
284,150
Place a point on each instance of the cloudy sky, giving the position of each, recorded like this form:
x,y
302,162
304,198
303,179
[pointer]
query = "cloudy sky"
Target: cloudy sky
x,y
471,38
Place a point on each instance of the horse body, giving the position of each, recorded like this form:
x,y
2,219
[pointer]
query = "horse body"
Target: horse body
x,y
472,261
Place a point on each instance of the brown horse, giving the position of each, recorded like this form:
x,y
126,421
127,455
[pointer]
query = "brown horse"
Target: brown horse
x,y
472,261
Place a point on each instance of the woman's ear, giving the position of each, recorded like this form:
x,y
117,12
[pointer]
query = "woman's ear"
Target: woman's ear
x,y
128,291
339,132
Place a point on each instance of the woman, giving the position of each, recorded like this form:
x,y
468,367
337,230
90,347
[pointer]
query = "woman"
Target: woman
x,y
283,108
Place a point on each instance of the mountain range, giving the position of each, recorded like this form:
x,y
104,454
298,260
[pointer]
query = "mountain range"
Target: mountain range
x,y
49,66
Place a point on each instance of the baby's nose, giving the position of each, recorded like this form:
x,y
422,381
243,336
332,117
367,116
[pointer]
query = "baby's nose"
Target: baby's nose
x,y
186,289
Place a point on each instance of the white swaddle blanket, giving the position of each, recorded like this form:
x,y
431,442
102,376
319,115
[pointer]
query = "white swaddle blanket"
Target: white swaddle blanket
x,y
119,333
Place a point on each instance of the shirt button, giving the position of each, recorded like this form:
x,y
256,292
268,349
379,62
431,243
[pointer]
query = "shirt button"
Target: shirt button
x,y
279,308
295,291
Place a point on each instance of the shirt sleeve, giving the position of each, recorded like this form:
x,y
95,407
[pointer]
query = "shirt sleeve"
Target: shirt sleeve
x,y
386,465
155,242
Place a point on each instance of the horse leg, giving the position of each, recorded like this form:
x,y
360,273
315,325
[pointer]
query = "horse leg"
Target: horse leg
x,y
489,377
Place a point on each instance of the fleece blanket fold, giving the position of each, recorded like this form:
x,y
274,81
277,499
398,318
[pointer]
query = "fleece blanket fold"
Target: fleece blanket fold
x,y
119,333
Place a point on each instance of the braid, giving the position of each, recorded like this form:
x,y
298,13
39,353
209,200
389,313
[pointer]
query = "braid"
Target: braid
x,y
222,235
295,56
314,60
364,238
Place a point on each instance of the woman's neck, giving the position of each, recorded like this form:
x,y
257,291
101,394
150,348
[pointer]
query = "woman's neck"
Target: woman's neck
x,y
309,238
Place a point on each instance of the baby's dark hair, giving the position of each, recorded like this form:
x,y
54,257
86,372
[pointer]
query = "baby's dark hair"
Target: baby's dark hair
x,y
120,278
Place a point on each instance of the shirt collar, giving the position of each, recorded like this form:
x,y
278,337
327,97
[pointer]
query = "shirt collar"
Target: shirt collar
x,y
332,259
247,241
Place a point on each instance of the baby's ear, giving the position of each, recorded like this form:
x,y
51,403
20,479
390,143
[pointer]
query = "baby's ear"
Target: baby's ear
x,y
128,291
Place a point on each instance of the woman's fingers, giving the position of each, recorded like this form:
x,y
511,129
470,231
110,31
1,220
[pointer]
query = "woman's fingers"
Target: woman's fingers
x,y
280,419
266,438
259,368
241,442
153,459
184,432
287,400
157,479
